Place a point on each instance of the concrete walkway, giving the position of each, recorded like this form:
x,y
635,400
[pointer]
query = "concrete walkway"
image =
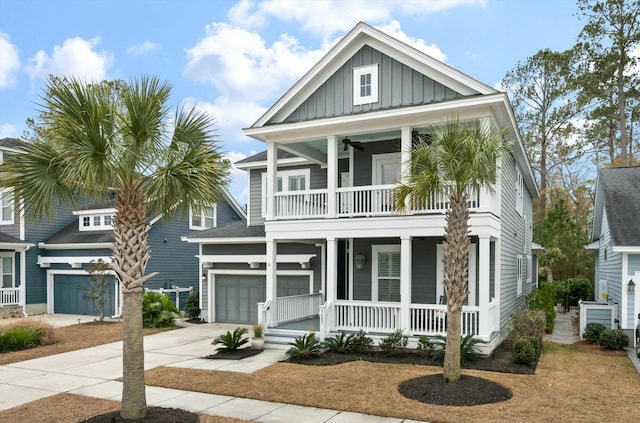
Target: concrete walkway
x,y
563,329
91,372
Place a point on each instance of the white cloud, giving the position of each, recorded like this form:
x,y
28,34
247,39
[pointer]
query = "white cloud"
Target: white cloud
x,y
238,178
143,49
76,57
240,63
8,131
10,63
393,28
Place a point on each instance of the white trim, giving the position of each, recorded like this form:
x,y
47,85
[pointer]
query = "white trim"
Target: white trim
x,y
50,287
254,258
285,175
211,274
358,72
92,212
626,249
379,159
45,262
232,240
203,218
7,192
519,269
101,226
12,256
76,246
382,248
261,164
16,246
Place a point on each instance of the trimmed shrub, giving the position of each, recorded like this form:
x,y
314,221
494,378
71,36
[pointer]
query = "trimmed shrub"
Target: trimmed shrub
x,y
361,343
158,311
544,298
593,331
304,347
341,343
468,348
613,339
231,341
579,289
528,322
395,343
192,306
424,345
526,350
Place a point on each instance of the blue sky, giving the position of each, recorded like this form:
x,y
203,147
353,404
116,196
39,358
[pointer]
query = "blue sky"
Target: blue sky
x,y
234,59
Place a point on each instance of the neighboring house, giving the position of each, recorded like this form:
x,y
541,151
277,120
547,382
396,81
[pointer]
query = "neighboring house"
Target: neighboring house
x,y
616,241
324,249
60,249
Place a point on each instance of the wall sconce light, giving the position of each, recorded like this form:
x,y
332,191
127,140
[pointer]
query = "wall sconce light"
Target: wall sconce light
x,y
254,265
360,261
631,286
203,277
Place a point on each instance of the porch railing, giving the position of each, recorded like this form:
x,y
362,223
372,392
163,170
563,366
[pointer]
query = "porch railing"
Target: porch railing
x,y
431,319
298,307
370,317
263,313
9,296
324,313
370,200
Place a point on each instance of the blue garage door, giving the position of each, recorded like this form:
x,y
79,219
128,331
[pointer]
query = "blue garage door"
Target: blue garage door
x,y
237,298
69,299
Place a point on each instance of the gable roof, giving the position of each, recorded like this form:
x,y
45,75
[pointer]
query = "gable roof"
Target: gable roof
x,y
618,198
363,34
236,230
11,144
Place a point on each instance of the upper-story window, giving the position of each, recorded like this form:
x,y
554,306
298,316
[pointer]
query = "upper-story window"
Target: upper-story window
x,y
365,85
96,222
288,181
6,207
203,219
519,193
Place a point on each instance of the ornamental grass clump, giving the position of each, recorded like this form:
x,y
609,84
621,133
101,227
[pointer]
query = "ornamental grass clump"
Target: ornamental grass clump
x,y
24,335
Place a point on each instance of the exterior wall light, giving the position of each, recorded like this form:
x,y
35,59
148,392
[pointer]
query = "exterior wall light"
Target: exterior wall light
x,y
631,286
360,261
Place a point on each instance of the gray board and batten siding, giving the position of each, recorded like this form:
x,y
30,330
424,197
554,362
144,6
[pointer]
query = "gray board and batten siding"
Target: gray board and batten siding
x,y
399,85
516,239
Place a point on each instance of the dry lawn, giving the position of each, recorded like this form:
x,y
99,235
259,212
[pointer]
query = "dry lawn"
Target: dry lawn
x,y
573,383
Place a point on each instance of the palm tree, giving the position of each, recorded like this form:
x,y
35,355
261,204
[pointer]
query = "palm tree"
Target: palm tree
x,y
113,138
452,159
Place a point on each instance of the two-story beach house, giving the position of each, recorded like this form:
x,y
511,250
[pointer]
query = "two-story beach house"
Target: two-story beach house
x,y
323,248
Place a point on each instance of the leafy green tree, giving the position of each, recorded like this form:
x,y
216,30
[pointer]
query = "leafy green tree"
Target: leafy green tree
x,y
98,289
609,68
107,138
452,159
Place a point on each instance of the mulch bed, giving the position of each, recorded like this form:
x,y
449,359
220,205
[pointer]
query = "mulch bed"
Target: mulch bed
x,y
196,321
499,361
238,354
154,415
469,390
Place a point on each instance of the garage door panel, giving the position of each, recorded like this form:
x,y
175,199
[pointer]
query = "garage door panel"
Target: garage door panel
x,y
69,299
237,296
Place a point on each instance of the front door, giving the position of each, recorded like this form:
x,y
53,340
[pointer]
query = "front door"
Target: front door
x,y
385,171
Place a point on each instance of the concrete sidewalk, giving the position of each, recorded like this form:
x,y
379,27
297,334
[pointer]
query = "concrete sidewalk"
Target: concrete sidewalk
x,y
91,372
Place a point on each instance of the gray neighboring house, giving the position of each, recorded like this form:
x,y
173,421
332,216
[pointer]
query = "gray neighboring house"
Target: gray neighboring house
x,y
616,241
323,248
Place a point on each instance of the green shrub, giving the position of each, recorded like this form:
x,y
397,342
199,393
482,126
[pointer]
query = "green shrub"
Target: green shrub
x,y
579,289
528,322
341,343
158,311
613,339
20,338
304,347
526,350
395,343
231,341
424,345
468,348
544,298
361,343
593,331
192,306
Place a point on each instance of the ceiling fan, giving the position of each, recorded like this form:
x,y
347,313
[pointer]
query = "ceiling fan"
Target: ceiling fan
x,y
355,144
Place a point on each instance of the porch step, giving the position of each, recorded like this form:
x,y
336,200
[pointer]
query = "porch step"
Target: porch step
x,y
280,338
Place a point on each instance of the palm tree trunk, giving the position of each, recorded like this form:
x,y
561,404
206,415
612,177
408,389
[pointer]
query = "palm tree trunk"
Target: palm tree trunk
x,y
134,402
456,250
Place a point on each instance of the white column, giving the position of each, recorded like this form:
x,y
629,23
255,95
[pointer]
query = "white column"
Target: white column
x,y
332,277
405,284
484,268
23,280
332,175
272,179
405,157
271,282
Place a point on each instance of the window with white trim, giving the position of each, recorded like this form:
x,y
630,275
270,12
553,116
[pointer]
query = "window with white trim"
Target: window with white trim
x,y
385,273
288,181
6,207
96,222
519,193
365,85
528,269
7,270
205,219
519,273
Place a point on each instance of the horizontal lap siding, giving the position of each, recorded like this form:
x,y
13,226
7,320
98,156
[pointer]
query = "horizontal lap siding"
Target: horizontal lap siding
x,y
399,85
611,268
225,214
600,316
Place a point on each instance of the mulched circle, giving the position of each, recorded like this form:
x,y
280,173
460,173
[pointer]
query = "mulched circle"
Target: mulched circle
x,y
154,415
234,354
469,390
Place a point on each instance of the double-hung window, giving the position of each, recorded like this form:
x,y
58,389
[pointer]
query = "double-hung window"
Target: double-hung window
x,y
7,270
6,207
203,219
521,269
365,85
385,273
519,193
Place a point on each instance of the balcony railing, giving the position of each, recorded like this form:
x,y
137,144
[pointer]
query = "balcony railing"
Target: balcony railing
x,y
360,201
